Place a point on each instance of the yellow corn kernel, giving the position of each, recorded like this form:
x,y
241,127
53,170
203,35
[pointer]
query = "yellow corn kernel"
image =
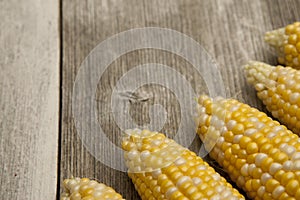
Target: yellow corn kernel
x,y
287,43
170,171
270,166
285,89
86,189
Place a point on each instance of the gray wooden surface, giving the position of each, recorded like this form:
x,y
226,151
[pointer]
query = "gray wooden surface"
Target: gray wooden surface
x,y
38,149
29,99
231,31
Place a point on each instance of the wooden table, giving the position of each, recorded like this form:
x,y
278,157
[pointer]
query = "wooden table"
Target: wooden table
x,y
43,45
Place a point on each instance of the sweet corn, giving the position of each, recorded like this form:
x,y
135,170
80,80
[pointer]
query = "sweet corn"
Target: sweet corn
x,y
287,43
259,154
279,89
86,189
162,169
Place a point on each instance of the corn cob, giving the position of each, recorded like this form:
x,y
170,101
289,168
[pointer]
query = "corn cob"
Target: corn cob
x,y
287,43
162,169
259,154
86,189
279,89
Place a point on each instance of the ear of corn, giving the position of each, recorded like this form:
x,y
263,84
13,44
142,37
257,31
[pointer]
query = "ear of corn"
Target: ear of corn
x,y
258,153
162,169
86,189
279,89
287,42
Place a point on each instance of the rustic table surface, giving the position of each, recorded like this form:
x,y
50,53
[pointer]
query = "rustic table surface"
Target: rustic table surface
x,y
43,45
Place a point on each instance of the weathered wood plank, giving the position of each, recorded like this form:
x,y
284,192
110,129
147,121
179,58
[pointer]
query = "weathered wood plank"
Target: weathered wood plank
x,y
29,99
231,31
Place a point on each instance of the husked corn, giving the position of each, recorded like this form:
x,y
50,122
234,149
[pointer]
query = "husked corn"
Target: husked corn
x,y
259,154
162,169
287,43
279,89
86,189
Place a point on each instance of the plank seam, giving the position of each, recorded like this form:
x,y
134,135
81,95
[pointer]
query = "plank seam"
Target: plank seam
x,y
60,29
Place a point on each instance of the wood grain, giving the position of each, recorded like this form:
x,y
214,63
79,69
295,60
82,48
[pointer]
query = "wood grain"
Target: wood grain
x,y
29,99
230,30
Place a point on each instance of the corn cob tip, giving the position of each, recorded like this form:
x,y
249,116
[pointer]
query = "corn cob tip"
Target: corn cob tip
x,y
162,169
279,89
276,38
86,189
137,133
145,151
257,74
204,107
286,41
